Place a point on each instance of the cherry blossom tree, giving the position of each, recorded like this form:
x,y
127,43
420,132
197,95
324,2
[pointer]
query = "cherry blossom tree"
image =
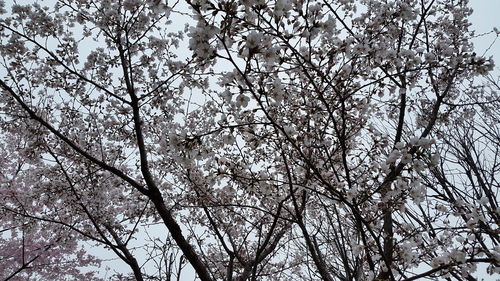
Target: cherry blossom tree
x,y
247,140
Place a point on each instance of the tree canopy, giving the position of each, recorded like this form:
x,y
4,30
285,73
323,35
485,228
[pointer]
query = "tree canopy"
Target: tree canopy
x,y
247,140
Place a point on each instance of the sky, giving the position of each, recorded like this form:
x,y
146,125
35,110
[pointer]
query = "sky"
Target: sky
x,y
485,17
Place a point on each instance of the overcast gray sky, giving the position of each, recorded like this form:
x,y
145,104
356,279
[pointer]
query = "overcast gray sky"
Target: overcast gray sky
x,y
486,16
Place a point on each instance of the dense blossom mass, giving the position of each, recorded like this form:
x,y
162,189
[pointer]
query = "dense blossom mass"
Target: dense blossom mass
x,y
247,140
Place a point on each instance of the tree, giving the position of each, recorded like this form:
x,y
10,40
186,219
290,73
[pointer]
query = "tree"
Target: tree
x,y
267,140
